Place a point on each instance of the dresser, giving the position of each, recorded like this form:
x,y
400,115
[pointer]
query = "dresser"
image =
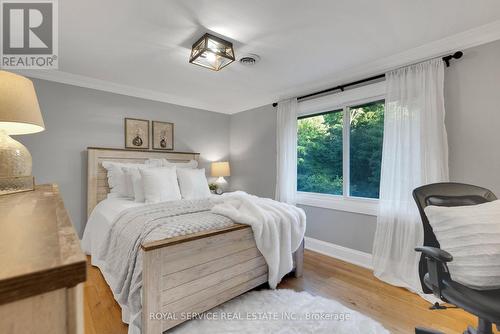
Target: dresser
x,y
42,268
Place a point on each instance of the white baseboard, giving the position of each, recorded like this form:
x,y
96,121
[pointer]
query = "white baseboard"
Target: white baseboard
x,y
353,256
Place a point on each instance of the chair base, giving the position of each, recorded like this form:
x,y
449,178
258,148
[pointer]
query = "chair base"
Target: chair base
x,y
484,327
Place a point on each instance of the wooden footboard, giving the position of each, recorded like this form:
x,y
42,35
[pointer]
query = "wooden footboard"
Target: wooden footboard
x,y
191,274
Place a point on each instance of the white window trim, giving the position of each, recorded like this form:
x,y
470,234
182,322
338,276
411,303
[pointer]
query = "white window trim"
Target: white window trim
x,y
342,101
365,206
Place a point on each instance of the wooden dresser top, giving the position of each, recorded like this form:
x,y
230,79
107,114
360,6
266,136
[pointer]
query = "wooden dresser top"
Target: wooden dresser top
x,y
39,249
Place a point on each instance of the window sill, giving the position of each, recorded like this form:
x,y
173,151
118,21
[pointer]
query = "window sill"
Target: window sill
x,y
364,206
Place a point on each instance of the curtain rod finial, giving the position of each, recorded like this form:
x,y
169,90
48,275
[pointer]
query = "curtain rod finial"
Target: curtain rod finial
x,y
275,104
458,55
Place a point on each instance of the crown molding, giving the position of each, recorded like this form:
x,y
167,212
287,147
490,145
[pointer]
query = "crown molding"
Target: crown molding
x,y
481,35
111,87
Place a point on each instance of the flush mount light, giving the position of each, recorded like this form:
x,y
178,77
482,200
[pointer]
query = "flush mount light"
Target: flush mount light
x,y
212,52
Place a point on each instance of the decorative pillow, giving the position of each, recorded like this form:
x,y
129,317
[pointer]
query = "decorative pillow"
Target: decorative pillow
x,y
471,234
116,179
193,183
160,184
166,163
129,187
133,180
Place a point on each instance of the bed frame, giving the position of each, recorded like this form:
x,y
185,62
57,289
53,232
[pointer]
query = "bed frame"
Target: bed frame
x,y
186,275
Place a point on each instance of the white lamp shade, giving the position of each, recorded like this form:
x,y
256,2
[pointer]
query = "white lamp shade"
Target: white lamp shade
x,y
19,109
220,169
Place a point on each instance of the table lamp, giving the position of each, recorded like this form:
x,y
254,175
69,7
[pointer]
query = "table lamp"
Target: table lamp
x,y
19,114
220,169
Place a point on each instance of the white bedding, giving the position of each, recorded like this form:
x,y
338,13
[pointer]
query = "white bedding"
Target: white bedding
x,y
100,221
98,226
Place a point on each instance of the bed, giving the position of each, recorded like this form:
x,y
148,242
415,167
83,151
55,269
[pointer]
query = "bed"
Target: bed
x,y
182,275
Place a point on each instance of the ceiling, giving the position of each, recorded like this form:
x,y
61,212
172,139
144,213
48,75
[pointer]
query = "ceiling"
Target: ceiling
x,y
303,45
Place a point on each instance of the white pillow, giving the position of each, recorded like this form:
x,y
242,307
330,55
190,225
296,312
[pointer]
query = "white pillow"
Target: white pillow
x,y
160,184
471,234
166,163
134,180
116,179
193,183
129,187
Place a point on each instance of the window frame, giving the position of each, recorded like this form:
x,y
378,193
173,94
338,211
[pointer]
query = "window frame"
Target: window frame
x,y
342,101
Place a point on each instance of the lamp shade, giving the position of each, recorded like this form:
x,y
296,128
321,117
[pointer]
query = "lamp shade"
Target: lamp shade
x,y
19,109
220,169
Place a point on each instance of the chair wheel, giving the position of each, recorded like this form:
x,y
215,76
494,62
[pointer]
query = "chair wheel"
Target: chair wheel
x,y
472,330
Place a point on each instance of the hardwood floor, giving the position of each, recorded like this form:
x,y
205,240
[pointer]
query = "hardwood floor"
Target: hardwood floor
x,y
397,309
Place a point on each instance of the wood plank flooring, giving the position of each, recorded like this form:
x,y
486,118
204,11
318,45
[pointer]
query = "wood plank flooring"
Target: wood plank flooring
x,y
397,309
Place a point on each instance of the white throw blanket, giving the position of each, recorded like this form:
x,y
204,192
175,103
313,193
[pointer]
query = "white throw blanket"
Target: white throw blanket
x,y
278,228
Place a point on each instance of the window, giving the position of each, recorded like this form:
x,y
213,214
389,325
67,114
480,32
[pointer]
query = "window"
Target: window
x,y
339,152
365,149
319,153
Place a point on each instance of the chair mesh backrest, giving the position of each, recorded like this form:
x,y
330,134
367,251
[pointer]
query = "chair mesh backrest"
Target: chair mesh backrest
x,y
445,194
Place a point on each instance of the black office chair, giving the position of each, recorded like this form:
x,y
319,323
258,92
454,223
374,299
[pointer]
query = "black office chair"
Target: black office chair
x,y
434,274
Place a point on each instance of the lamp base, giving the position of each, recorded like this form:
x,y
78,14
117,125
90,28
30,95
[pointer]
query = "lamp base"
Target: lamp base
x,y
221,185
12,185
15,166
221,181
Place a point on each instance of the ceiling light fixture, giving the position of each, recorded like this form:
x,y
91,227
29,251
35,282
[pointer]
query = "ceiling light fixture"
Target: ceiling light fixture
x,y
212,52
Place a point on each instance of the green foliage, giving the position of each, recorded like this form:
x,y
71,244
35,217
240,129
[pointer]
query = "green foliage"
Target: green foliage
x,y
319,151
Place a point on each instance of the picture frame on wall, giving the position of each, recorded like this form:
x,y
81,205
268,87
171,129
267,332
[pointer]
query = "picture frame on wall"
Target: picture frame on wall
x,y
137,133
163,135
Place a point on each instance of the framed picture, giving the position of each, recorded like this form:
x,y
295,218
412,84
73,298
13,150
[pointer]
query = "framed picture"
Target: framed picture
x,y
163,135
136,133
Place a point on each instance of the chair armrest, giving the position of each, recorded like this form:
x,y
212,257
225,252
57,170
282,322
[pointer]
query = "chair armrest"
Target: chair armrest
x,y
437,270
435,253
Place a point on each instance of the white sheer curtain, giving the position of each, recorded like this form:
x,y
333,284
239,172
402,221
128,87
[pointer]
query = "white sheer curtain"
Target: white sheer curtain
x,y
286,160
415,152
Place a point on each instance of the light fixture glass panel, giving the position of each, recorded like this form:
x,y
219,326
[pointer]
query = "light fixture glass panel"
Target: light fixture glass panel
x,y
197,49
216,46
206,59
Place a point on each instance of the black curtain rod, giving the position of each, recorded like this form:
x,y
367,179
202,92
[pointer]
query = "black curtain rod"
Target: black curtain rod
x,y
446,59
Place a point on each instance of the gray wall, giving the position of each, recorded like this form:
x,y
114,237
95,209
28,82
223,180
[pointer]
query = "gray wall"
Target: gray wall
x,y
347,229
472,95
253,151
76,118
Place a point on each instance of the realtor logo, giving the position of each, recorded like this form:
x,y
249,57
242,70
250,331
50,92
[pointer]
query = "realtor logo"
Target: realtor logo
x,y
29,34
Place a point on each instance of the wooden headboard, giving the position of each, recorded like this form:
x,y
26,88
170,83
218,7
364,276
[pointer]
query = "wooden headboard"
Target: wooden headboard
x,y
97,181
